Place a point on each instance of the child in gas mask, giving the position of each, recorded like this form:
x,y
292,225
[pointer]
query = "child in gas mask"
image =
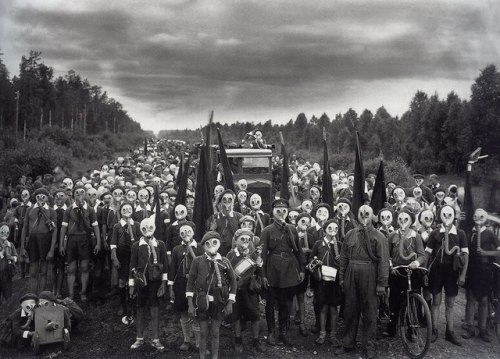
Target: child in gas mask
x,y
405,248
125,233
344,217
8,260
182,259
328,294
148,278
211,291
23,321
262,219
247,265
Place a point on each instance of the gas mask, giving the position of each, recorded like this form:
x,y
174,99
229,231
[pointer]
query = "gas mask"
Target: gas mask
x,y
292,216
104,183
107,199
280,213
332,229
4,232
186,233
227,202
131,196
148,227
247,225
417,192
303,224
258,135
79,184
399,194
190,183
480,217
143,196
243,242
365,215
156,181
92,195
426,218
344,209
218,190
307,206
118,195
79,195
120,160
41,199
28,306
25,195
440,196
255,201
211,246
350,181
164,198
314,193
335,179
322,214
447,215
242,196
404,221
105,168
126,211
190,205
386,218
242,184
111,180
59,199
68,183
419,181
180,212
391,186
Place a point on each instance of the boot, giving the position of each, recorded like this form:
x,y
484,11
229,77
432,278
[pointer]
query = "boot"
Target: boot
x,y
195,326
469,331
185,334
452,338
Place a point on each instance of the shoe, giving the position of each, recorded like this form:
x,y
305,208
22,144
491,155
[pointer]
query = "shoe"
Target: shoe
x,y
257,346
451,337
321,339
335,342
138,342
303,330
184,347
469,331
343,350
434,335
271,340
484,335
157,345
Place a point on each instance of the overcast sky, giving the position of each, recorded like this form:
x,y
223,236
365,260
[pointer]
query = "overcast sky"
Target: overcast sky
x,y
170,62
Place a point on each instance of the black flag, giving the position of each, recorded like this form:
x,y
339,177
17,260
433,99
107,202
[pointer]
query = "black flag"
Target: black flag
x,y
379,195
145,146
202,204
183,180
358,190
285,172
159,231
228,175
327,189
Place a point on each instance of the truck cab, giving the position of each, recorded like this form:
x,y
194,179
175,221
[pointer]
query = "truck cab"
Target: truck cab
x,y
255,166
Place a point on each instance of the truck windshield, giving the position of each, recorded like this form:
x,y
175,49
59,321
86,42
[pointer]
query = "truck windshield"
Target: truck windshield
x,y
255,165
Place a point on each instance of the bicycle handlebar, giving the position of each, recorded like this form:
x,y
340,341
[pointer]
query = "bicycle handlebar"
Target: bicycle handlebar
x,y
408,267
496,265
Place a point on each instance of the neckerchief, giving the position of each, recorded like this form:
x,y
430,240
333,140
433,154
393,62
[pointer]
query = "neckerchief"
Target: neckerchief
x,y
217,270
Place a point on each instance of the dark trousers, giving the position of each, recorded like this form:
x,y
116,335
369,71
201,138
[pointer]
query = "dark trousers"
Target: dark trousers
x,y
360,299
281,299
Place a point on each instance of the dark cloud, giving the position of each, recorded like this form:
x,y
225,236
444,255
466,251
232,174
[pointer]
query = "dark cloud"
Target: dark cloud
x,y
245,58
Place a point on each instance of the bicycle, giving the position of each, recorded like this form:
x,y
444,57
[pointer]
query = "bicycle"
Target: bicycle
x,y
414,320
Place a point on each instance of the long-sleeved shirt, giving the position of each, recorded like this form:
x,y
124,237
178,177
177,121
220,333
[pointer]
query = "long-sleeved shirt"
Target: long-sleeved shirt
x,y
203,277
141,256
325,252
235,257
121,234
182,260
412,243
353,249
37,220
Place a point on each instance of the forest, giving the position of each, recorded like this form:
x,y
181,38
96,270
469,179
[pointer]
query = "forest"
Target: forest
x,y
48,121
434,135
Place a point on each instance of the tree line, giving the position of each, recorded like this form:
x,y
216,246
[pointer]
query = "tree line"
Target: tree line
x,y
434,135
36,98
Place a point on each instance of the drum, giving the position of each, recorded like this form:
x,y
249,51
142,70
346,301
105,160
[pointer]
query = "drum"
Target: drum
x,y
243,266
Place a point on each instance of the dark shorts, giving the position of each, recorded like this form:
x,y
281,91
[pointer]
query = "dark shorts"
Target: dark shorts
x,y
246,307
39,246
329,293
180,300
214,312
78,248
443,276
148,295
480,279
123,255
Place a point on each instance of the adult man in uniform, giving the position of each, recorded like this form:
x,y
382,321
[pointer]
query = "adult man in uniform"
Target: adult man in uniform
x,y
283,268
364,271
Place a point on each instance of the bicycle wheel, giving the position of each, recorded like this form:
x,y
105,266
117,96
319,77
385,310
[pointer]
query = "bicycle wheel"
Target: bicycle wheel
x,y
415,326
